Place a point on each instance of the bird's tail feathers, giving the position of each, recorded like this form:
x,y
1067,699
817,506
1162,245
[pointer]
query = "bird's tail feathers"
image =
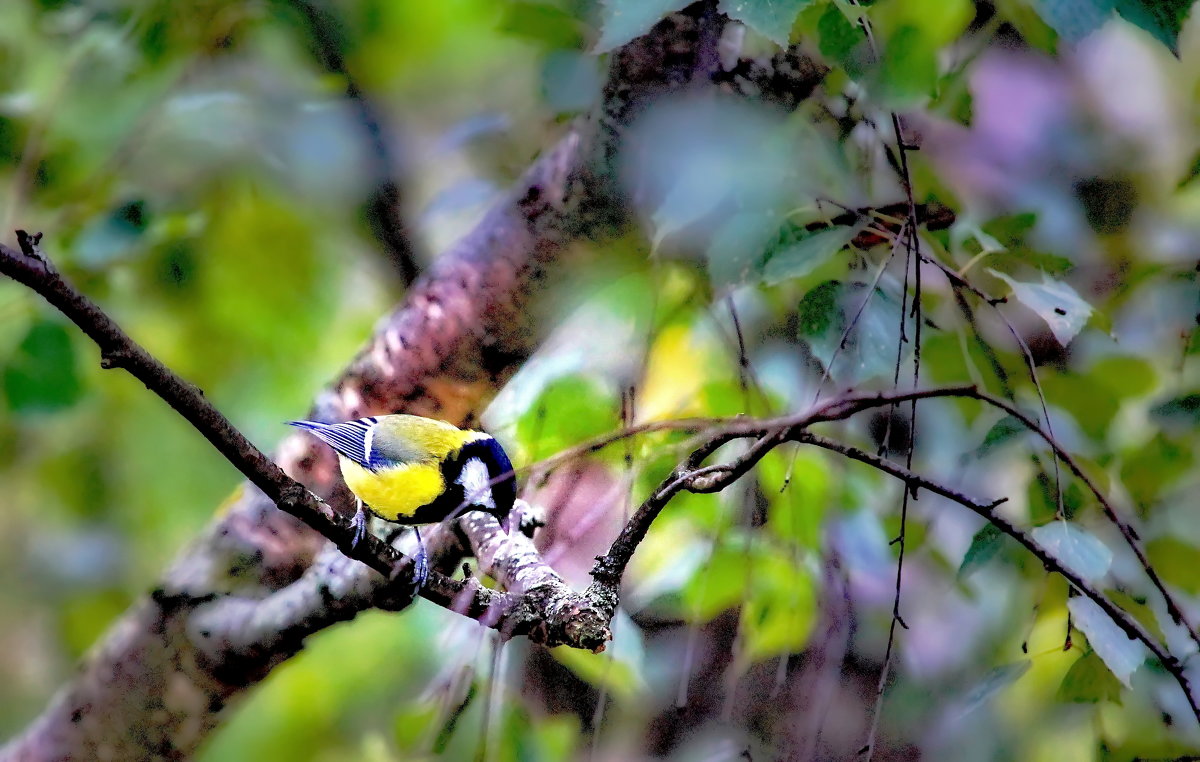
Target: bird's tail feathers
x,y
349,438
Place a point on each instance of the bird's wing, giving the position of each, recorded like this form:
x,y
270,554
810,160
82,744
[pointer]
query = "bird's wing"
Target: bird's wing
x,y
351,439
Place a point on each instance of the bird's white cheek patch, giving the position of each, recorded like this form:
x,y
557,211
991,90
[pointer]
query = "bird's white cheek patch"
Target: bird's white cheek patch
x,y
474,479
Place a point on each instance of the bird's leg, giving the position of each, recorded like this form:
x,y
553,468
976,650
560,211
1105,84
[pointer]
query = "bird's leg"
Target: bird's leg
x,y
421,567
358,523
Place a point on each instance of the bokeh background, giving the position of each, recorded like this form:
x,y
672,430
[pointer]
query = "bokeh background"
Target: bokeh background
x,y
199,171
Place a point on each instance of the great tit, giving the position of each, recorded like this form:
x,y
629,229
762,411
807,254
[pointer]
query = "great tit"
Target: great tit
x,y
412,470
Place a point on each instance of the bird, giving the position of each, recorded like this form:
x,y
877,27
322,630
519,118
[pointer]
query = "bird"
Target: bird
x,y
408,469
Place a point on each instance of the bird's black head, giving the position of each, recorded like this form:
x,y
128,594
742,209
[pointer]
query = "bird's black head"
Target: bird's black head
x,y
502,481
504,487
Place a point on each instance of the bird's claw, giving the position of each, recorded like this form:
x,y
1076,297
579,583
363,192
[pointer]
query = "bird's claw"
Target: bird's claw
x,y
420,565
359,525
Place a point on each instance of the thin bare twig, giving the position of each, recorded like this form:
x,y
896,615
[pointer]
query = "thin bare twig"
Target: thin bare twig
x,y
901,540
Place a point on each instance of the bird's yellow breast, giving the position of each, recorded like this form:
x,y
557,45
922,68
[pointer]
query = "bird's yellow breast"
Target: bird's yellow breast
x,y
394,493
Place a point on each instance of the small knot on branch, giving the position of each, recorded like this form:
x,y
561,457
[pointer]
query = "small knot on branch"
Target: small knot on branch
x,y
710,481
577,621
587,630
31,247
604,571
293,495
30,244
115,358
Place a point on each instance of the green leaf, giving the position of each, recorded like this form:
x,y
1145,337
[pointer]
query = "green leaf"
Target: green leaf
x,y
84,616
242,289
719,585
1055,302
1075,19
1088,681
1184,409
541,22
675,554
570,81
40,377
869,321
1161,18
1043,497
1124,375
412,723
1176,562
689,201
558,737
986,543
799,251
796,510
1139,610
623,20
837,35
1154,466
992,683
779,612
909,68
1121,654
940,21
736,249
968,230
718,173
819,311
1090,402
1004,431
1074,548
724,397
568,411
772,19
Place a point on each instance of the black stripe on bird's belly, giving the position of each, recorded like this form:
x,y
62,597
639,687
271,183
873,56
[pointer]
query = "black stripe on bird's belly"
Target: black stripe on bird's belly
x,y
504,491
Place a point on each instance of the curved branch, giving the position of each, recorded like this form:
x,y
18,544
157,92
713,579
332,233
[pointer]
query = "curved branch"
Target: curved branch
x,y
609,568
1123,619
689,475
1127,531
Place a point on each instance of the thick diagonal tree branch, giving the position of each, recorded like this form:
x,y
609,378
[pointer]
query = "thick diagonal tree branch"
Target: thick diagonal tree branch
x,y
150,690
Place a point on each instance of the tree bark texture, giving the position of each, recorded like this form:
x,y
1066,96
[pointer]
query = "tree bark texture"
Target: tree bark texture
x,y
156,686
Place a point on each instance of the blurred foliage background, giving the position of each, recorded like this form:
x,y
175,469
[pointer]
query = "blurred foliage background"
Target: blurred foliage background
x,y
198,172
